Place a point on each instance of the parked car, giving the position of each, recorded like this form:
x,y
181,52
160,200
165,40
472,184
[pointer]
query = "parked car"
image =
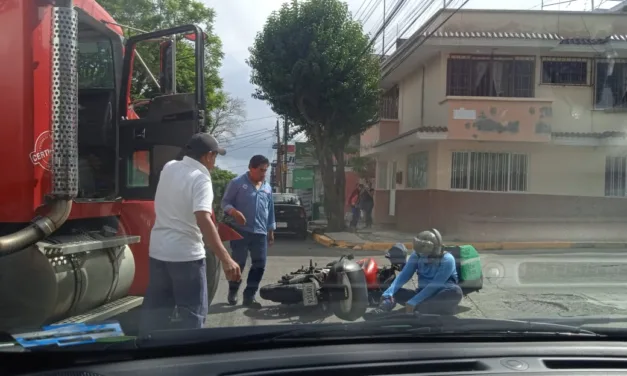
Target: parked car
x,y
290,215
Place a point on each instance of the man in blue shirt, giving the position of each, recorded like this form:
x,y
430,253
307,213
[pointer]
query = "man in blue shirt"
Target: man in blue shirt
x,y
248,200
438,290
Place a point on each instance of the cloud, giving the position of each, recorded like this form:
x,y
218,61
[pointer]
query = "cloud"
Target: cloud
x,y
237,23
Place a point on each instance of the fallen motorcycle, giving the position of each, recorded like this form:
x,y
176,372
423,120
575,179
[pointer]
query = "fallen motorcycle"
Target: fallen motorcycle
x,y
347,286
341,286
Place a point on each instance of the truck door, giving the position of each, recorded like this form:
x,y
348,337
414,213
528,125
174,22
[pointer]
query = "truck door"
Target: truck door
x,y
146,142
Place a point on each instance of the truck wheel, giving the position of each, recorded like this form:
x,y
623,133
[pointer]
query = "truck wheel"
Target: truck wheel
x,y
213,276
348,273
282,293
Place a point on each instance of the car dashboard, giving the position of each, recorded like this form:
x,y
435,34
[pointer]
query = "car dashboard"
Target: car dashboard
x,y
381,358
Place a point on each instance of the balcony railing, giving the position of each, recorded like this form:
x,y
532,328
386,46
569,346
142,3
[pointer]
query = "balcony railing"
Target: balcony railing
x,y
388,107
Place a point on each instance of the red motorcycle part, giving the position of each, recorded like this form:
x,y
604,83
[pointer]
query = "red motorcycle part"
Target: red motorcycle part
x,y
371,270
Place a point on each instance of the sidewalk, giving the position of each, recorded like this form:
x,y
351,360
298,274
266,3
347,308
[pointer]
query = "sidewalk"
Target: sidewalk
x,y
382,240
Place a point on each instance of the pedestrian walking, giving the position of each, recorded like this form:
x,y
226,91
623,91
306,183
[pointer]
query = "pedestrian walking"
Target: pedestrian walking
x,y
177,258
366,203
248,200
353,200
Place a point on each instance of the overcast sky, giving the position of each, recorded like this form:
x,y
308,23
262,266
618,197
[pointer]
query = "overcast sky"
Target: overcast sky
x,y
239,20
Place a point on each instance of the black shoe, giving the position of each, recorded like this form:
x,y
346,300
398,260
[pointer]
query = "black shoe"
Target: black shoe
x,y
252,303
232,298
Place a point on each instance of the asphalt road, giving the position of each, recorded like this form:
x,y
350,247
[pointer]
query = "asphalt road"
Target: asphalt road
x,y
518,284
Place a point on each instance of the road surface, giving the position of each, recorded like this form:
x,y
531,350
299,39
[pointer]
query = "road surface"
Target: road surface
x,y
518,284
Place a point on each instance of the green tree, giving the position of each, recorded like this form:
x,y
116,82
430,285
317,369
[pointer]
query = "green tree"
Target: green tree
x,y
151,15
313,63
220,178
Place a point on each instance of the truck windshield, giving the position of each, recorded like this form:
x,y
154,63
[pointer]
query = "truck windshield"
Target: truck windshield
x,y
95,65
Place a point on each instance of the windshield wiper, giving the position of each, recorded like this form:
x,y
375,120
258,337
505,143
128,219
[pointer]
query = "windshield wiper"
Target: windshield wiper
x,y
417,325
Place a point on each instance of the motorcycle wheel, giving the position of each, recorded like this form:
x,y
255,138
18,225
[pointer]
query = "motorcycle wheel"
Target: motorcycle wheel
x,y
348,273
213,276
282,293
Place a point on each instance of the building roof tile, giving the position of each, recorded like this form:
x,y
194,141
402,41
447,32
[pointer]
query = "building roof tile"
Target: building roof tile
x,y
526,35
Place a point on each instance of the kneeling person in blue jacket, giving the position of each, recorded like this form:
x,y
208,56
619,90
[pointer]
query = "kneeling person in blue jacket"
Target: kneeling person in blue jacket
x,y
438,290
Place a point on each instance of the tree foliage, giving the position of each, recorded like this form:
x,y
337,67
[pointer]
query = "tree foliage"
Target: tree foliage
x,y
313,63
151,15
220,179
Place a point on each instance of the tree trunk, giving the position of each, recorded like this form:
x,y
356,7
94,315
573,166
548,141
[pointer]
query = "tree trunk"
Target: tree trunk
x,y
333,208
334,182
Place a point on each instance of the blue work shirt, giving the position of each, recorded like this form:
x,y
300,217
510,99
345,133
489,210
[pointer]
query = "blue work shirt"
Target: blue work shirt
x,y
433,276
256,205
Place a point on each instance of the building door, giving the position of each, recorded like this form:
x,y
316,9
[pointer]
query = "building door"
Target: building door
x,y
392,182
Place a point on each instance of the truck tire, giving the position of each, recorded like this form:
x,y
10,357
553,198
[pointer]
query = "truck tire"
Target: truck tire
x,y
282,293
213,276
348,273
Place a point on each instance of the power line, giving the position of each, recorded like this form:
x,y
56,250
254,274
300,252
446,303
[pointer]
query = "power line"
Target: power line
x,y
415,47
260,118
258,132
361,6
245,146
423,7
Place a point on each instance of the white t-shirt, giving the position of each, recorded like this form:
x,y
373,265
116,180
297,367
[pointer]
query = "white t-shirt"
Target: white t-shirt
x,y
184,188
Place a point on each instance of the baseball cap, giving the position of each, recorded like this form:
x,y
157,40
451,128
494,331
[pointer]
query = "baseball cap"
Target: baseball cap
x,y
202,143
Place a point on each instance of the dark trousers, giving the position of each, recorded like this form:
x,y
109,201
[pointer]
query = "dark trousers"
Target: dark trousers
x,y
180,285
444,302
368,214
257,245
356,214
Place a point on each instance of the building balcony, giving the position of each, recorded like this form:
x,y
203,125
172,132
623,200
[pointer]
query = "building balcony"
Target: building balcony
x,y
384,130
499,119
388,126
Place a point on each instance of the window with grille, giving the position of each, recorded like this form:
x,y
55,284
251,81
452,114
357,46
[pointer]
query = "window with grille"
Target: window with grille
x,y
615,176
564,71
417,166
382,175
610,87
481,171
490,76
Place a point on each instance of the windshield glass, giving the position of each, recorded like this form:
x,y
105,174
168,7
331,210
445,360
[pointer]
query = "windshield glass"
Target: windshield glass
x,y
465,158
286,199
95,65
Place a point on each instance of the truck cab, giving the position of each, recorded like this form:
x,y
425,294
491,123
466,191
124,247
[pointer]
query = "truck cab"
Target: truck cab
x,y
75,143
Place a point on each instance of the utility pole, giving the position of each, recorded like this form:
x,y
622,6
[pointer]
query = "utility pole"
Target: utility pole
x,y
278,169
285,137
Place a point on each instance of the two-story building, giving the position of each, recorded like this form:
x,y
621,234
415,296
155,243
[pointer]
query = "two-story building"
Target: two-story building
x,y
505,125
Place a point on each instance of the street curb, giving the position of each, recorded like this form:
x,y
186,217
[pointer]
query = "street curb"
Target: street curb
x,y
480,246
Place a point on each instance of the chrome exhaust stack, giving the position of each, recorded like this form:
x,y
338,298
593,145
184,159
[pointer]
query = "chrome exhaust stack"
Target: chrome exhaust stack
x,y
64,123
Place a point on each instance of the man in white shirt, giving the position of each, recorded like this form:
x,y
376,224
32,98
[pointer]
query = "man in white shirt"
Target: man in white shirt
x,y
183,207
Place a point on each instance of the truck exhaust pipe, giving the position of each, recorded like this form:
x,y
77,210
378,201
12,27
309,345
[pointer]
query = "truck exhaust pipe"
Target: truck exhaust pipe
x,y
64,123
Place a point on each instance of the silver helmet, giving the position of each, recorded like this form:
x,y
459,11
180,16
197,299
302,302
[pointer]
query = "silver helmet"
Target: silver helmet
x,y
428,243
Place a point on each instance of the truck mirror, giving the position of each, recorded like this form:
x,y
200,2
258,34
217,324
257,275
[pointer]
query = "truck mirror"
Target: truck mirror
x,y
167,67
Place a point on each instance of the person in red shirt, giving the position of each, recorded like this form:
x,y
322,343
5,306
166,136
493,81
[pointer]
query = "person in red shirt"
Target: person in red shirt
x,y
355,209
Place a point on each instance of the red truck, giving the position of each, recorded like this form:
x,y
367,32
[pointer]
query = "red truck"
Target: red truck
x,y
79,167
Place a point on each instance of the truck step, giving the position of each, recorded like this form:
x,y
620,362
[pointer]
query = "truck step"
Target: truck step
x,y
65,245
105,311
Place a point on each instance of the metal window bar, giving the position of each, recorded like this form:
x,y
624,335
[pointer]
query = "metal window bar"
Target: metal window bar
x,y
388,104
417,165
610,83
382,176
571,71
517,76
615,176
491,172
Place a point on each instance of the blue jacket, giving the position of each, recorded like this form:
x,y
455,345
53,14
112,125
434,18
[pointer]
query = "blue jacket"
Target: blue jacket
x,y
257,205
433,276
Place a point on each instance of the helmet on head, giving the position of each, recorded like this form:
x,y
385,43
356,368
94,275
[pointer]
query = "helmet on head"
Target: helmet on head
x,y
428,243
